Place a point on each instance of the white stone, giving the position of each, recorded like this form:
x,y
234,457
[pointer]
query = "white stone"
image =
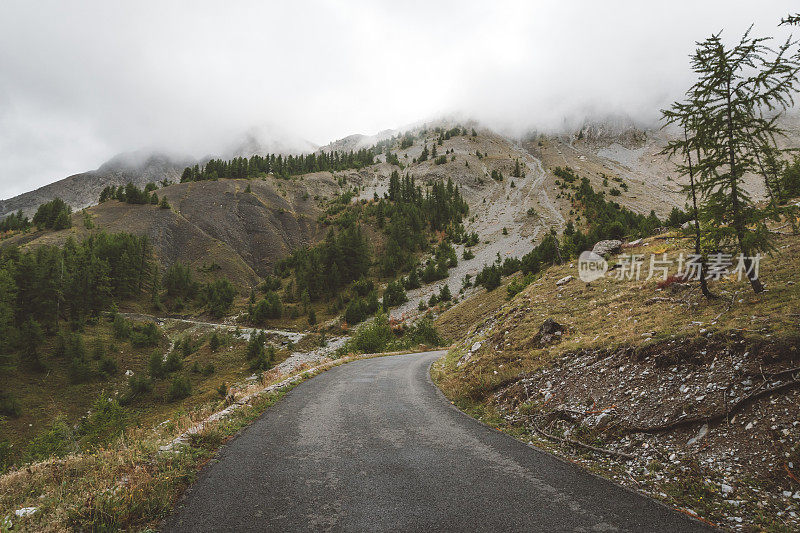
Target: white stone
x,y
25,511
700,434
564,280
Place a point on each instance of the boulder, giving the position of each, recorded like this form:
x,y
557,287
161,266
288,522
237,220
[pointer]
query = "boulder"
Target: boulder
x,y
607,247
549,331
564,280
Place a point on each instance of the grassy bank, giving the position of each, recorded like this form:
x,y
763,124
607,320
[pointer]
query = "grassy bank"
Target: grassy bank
x,y
633,356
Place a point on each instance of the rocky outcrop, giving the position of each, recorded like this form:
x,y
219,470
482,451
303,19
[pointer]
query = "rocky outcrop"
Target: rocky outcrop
x,y
604,248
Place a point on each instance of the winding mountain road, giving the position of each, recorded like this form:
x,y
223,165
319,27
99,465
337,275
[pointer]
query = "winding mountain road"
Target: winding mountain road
x,y
374,446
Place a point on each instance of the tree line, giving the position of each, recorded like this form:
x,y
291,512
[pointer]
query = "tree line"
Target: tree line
x,y
75,282
278,165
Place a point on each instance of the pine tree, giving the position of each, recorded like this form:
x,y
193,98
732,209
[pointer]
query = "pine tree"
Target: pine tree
x,y
214,342
725,112
31,337
517,170
685,147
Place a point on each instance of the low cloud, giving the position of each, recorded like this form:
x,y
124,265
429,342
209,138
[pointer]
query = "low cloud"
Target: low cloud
x,y
82,82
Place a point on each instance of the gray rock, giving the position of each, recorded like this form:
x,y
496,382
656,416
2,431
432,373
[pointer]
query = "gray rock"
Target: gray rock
x,y
700,434
607,247
564,280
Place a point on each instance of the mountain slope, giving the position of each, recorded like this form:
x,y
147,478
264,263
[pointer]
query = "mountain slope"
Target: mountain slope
x,y
81,190
214,226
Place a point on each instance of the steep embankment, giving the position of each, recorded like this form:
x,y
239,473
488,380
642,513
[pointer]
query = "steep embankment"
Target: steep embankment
x,y
694,400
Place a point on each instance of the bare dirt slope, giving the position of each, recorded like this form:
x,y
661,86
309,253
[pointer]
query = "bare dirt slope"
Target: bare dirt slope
x,y
694,399
215,226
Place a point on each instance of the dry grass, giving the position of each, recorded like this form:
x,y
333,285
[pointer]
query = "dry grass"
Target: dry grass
x,y
46,396
608,313
126,486
131,484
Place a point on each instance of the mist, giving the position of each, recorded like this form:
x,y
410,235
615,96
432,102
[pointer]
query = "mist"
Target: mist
x,y
81,82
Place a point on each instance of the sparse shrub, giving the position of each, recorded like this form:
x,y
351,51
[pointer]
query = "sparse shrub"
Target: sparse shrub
x,y
255,346
98,350
156,365
362,287
179,388
145,335
6,458
444,294
213,343
107,366
138,385
55,441
356,311
173,363
424,332
394,295
263,360
185,346
218,296
269,307
516,285
616,230
270,283
105,422
373,337
9,405
489,277
674,278
79,370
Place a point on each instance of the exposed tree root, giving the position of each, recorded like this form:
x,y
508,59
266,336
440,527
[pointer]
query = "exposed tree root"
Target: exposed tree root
x,y
714,417
582,445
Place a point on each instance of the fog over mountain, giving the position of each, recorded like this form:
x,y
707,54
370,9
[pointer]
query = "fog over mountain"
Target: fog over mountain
x,y
80,83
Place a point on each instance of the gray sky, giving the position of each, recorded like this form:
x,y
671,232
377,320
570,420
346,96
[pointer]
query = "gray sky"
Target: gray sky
x,y
82,81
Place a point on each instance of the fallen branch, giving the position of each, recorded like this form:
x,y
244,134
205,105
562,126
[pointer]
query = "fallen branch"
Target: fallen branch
x,y
714,417
789,371
564,440
785,466
730,305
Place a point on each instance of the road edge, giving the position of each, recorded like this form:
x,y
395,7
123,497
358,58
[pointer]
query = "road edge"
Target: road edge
x,y
565,460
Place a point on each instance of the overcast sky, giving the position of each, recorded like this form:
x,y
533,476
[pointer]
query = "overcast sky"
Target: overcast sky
x,y
82,81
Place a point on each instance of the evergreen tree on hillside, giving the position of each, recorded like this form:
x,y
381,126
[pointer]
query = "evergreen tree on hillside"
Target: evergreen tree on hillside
x,y
54,214
685,148
733,110
517,170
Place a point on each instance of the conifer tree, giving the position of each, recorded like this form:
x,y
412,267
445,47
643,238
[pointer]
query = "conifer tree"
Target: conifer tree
x,y
732,111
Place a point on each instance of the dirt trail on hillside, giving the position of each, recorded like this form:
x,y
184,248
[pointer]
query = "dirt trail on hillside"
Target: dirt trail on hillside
x,y
505,207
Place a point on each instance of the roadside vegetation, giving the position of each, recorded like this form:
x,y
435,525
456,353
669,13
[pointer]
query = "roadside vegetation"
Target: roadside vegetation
x,y
681,386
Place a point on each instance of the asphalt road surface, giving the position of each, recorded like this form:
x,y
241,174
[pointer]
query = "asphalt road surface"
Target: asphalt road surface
x,y
374,446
